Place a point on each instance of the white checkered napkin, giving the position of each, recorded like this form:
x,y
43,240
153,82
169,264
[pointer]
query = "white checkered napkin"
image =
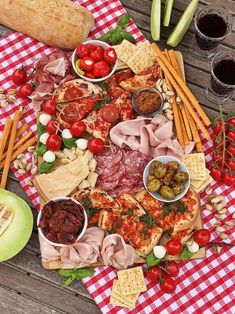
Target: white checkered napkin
x,y
203,286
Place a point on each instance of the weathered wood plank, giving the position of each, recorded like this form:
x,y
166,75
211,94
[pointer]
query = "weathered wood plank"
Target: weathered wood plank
x,y
13,303
44,293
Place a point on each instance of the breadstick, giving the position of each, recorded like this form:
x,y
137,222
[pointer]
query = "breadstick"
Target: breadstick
x,y
21,149
195,134
181,84
186,123
20,131
16,119
174,62
199,147
18,143
5,135
185,136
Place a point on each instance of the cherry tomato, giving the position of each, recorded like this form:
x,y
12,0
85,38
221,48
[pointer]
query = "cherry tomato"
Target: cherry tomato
x,y
97,54
231,121
51,127
154,274
228,179
218,158
87,64
109,113
90,47
110,55
82,51
24,91
54,142
49,106
101,69
231,149
172,268
19,76
215,173
231,164
168,285
231,136
90,75
78,128
174,247
217,127
218,141
96,145
202,236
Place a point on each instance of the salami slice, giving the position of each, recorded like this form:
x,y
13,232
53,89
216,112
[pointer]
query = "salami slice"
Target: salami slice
x,y
109,159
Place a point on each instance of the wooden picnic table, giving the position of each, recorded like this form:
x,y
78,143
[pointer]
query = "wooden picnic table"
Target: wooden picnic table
x,y
25,286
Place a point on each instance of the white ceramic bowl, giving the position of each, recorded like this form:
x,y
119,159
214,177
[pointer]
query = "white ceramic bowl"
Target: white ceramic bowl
x,y
41,230
95,43
165,160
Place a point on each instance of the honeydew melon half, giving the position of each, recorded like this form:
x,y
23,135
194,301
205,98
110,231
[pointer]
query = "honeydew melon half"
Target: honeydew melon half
x,y
17,234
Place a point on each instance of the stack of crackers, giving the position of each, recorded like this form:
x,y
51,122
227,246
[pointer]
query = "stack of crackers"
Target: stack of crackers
x,y
198,173
127,288
136,57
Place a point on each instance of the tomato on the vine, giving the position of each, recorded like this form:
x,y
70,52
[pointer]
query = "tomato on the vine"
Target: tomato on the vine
x,y
78,128
174,247
168,285
54,142
231,136
19,76
154,273
215,173
228,179
231,164
231,121
218,157
217,127
172,268
49,106
202,236
96,145
51,127
24,91
231,149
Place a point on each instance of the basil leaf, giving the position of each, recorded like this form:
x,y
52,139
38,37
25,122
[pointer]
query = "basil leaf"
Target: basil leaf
x,y
66,272
41,149
116,37
69,280
69,142
46,166
84,272
106,37
40,129
123,21
128,37
185,254
152,260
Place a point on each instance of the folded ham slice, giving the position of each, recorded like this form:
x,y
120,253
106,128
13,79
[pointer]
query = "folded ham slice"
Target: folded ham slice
x,y
115,252
152,137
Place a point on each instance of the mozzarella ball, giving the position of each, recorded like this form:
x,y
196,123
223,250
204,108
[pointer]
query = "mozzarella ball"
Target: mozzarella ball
x,y
44,118
82,143
159,251
66,134
193,247
49,156
43,138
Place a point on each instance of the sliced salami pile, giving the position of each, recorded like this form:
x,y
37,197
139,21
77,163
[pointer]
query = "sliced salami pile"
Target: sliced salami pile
x,y
121,171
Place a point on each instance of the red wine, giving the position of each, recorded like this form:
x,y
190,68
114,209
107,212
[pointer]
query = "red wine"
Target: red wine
x,y
213,26
225,73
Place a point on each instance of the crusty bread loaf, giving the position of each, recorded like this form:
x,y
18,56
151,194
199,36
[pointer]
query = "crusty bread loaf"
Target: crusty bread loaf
x,y
57,23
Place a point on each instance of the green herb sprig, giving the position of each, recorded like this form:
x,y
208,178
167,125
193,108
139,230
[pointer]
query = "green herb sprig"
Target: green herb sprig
x,y
90,209
185,254
75,274
116,36
148,220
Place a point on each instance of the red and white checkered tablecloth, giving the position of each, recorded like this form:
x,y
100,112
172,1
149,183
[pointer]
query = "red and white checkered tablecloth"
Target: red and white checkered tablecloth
x,y
203,286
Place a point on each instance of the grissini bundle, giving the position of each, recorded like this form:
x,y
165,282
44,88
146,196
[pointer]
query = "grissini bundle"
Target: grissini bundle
x,y
57,23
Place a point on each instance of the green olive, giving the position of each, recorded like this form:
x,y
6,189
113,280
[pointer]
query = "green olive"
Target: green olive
x,y
178,188
153,165
181,176
168,178
173,165
160,171
154,185
167,192
150,178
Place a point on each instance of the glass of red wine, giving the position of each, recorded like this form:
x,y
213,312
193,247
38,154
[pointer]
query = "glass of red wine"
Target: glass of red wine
x,y
219,89
212,25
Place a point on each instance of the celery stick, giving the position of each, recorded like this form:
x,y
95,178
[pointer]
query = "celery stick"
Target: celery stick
x,y
167,12
156,19
183,24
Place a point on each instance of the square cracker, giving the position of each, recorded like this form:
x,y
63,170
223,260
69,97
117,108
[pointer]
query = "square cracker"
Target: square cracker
x,y
197,183
204,184
118,299
196,165
131,281
125,50
142,59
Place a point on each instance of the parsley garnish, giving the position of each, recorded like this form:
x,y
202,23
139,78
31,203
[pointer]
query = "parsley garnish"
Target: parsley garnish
x,y
105,86
176,206
101,102
148,220
129,212
166,209
181,207
90,209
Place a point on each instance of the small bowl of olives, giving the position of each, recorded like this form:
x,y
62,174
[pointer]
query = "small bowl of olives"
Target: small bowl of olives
x,y
166,178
